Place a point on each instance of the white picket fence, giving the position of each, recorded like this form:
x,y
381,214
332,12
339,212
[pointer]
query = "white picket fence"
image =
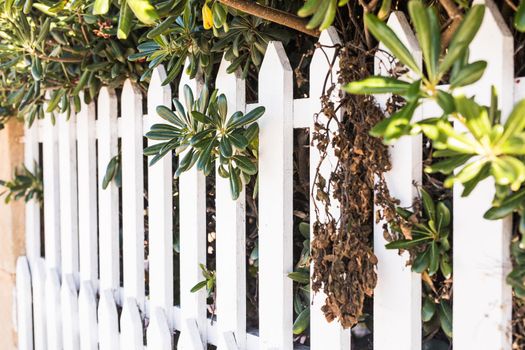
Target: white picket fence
x,y
70,298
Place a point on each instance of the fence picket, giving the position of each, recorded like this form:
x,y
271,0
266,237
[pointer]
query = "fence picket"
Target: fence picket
x,y
275,202
192,221
323,335
231,230
131,326
51,194
38,279
87,192
87,311
67,158
482,306
133,193
108,198
69,308
107,321
160,192
158,333
24,312
32,209
397,310
53,314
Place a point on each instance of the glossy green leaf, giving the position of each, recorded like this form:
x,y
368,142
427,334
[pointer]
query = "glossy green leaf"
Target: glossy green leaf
x,y
377,85
144,11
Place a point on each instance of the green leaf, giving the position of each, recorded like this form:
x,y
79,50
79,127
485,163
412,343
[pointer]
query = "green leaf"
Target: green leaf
x,y
463,37
161,28
225,147
387,36
443,216
110,172
124,20
519,17
396,125
421,261
245,164
434,259
101,7
144,11
302,277
445,317
506,207
302,321
515,122
428,310
469,74
377,85
198,286
407,243
247,119
447,166
235,183
428,205
446,268
428,34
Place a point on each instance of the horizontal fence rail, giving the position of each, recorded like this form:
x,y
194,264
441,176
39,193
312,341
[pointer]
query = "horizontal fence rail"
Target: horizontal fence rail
x,y
74,296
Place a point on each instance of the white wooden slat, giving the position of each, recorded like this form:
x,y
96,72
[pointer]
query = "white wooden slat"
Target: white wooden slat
x,y
190,337
87,192
276,200
160,192
192,221
130,326
68,193
231,230
108,322
24,311
70,318
53,314
133,193
87,311
158,333
397,296
108,214
482,306
38,279
302,112
51,194
323,335
32,209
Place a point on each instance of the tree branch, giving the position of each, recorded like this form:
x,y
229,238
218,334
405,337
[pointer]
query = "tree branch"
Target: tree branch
x,y
455,15
270,14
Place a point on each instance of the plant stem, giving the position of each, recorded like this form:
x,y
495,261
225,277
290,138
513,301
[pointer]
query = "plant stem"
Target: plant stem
x,y
270,14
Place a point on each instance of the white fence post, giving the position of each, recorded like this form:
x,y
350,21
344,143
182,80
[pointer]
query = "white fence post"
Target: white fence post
x,y
133,193
24,312
192,221
53,313
108,198
87,311
131,336
397,296
38,279
482,307
323,335
51,194
108,322
160,211
69,308
231,230
276,200
158,333
32,212
87,192
68,193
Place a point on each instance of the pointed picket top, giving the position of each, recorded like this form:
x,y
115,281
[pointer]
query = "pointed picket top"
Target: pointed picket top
x,y
158,333
158,94
24,313
275,60
190,337
69,300
38,278
321,62
54,319
107,100
130,93
87,310
195,84
107,322
131,335
233,86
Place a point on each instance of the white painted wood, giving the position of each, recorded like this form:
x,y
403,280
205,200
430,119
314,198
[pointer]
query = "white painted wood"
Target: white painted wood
x,y
133,193
32,209
397,296
231,231
108,325
108,214
70,316
51,194
87,311
160,192
190,337
68,194
192,221
87,192
158,333
303,112
53,313
276,200
130,327
38,279
24,311
323,335
482,299
228,339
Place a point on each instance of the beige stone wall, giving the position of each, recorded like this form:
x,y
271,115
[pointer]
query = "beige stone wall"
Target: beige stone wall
x,y
11,231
